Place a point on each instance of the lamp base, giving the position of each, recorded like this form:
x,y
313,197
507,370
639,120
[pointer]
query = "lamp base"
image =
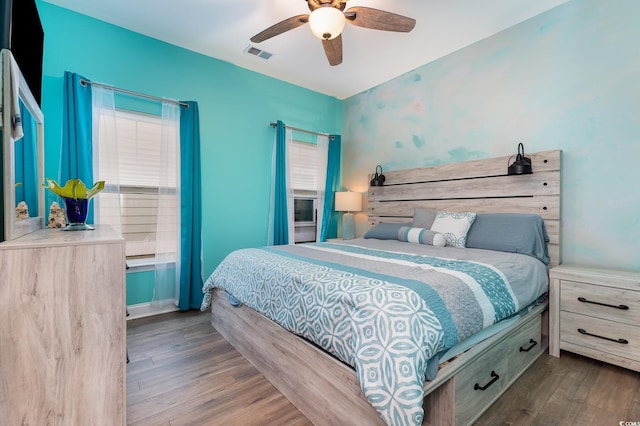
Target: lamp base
x,y
348,226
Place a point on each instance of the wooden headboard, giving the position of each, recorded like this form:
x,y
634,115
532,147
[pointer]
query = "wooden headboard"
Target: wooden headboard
x,y
482,186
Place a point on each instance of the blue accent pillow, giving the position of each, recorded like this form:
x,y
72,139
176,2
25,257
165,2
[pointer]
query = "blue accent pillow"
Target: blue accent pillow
x,y
385,231
510,232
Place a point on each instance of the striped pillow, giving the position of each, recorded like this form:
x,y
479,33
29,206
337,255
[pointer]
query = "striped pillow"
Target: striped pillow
x,y
421,236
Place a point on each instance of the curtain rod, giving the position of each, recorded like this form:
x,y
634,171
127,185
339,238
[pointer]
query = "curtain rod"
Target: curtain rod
x,y
272,124
130,92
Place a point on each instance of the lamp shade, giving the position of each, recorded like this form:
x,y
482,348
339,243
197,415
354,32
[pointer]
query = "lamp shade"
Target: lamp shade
x,y
326,23
348,201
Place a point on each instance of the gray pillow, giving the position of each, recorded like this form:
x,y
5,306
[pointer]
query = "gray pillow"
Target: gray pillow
x,y
385,231
423,218
510,232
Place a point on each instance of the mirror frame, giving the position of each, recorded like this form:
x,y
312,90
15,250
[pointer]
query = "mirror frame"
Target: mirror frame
x,y
16,228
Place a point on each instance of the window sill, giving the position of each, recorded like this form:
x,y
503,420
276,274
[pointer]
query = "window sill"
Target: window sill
x,y
145,264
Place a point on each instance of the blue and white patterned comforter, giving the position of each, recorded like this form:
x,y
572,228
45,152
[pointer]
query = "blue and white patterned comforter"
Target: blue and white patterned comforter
x,y
384,307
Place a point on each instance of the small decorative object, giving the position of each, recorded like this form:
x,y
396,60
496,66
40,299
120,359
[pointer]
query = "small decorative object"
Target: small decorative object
x,y
76,199
22,210
377,179
56,216
522,165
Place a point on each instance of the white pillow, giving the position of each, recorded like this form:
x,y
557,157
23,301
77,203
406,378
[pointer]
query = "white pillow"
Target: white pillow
x,y
454,226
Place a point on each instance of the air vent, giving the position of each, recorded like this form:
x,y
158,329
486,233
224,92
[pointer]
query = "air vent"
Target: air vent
x,y
258,52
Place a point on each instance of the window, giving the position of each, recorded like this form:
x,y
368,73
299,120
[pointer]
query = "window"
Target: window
x,y
143,180
304,186
304,168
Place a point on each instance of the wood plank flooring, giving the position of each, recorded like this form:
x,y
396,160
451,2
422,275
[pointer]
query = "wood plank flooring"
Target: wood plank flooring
x,y
182,372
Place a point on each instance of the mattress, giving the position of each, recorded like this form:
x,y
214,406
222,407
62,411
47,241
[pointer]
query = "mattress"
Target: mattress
x,y
389,309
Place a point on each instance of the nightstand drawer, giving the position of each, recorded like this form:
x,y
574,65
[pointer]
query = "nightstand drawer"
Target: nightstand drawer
x,y
595,312
600,335
602,302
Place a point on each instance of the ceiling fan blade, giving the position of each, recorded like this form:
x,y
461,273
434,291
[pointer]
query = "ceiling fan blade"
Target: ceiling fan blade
x,y
280,27
333,50
376,19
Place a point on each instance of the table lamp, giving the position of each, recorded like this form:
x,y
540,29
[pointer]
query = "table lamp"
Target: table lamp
x,y
348,202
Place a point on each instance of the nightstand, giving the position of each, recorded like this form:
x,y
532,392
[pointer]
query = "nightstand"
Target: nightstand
x,y
596,313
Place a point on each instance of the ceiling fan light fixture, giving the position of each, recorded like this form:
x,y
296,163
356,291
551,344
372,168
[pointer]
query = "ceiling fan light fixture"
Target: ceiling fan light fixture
x,y
326,23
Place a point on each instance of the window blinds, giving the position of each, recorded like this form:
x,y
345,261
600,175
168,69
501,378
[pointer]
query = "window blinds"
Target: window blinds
x,y
137,172
304,165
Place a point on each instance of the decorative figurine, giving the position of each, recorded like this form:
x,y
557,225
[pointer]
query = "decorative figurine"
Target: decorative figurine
x,y
56,216
22,210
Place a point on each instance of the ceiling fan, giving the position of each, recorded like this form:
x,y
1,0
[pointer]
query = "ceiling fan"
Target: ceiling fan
x,y
327,20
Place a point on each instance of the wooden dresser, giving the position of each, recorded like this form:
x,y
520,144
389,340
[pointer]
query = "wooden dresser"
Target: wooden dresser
x,y
62,329
596,313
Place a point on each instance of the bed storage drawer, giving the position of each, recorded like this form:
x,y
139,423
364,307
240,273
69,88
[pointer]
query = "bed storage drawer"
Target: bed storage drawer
x,y
478,385
482,382
526,347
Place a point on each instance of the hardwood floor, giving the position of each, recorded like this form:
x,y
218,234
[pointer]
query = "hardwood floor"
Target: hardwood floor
x,y
182,372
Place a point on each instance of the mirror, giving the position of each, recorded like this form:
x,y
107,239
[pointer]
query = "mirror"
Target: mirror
x,y
23,156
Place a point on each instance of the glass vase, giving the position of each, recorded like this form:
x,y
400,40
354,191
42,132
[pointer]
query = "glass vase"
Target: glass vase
x,y
76,210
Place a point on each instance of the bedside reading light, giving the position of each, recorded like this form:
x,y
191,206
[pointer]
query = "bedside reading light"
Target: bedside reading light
x,y
522,165
348,202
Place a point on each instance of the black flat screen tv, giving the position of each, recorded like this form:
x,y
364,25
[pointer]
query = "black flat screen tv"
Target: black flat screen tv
x,y
21,32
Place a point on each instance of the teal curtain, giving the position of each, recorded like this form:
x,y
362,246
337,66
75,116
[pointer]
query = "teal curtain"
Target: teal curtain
x,y
330,217
191,281
76,153
280,227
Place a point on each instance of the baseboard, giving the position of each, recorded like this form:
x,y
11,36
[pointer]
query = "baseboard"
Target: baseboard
x,y
146,309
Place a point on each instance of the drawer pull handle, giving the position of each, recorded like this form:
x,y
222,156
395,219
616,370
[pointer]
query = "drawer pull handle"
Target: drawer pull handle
x,y
494,377
621,341
622,307
532,343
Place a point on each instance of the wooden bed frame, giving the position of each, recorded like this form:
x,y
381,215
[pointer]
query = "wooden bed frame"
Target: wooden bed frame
x,y
326,391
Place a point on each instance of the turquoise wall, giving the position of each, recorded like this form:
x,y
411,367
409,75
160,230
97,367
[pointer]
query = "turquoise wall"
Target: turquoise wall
x,y
236,107
139,287
568,79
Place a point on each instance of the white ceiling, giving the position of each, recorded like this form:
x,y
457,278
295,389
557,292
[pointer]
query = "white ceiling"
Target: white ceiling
x,y
222,29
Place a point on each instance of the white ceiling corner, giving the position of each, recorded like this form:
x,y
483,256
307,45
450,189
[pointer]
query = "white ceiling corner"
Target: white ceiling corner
x,y
222,29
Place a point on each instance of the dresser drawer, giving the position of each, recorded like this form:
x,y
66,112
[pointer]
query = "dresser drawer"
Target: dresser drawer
x,y
600,335
610,303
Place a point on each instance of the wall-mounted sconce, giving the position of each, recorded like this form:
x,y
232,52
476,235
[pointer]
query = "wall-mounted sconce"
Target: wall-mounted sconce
x,y
522,165
377,179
